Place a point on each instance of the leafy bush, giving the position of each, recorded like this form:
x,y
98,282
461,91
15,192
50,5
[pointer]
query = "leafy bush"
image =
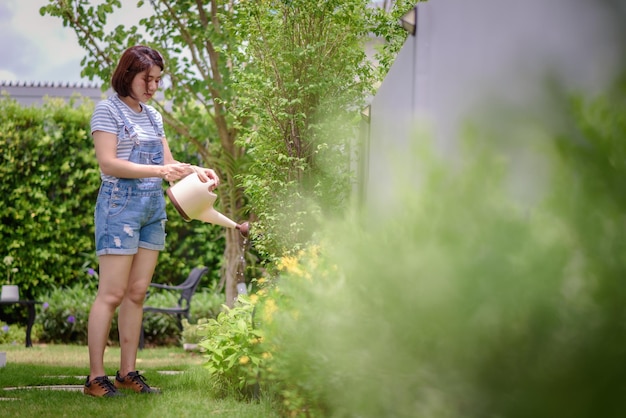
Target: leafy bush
x,y
64,315
232,348
49,183
193,333
206,303
12,334
275,308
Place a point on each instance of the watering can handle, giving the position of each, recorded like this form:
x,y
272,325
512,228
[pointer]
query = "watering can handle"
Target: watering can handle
x,y
195,169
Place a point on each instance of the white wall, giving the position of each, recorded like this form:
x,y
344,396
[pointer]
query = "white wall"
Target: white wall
x,y
471,60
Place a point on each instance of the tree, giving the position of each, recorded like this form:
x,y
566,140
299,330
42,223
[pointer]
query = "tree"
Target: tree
x,y
305,84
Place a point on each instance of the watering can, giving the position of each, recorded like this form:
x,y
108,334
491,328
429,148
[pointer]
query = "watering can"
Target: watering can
x,y
193,199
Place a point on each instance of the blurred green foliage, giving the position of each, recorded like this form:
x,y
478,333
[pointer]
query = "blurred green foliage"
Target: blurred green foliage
x,y
462,299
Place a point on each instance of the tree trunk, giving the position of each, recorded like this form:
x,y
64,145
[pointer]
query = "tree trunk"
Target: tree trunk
x,y
234,265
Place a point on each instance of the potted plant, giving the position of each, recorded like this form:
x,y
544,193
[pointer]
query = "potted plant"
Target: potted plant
x,y
10,293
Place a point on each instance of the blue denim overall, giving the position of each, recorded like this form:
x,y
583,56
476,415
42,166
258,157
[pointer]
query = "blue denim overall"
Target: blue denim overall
x,y
130,213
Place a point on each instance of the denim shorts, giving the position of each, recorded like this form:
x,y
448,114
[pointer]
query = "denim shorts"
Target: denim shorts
x,y
127,218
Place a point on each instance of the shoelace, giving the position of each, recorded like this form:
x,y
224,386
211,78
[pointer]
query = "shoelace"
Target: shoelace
x,y
139,377
106,385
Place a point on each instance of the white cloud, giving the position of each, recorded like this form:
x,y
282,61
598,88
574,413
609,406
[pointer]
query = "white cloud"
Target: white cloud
x,y
40,48
7,75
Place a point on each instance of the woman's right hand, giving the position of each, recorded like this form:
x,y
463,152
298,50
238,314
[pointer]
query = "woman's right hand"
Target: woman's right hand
x,y
175,171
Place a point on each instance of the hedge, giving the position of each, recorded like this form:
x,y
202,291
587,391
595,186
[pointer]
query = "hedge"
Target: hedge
x,y
50,180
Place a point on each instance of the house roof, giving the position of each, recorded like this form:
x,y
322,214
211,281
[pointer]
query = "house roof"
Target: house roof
x,y
33,92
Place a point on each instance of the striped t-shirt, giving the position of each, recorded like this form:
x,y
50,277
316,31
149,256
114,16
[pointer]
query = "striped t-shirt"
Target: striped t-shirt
x,y
106,118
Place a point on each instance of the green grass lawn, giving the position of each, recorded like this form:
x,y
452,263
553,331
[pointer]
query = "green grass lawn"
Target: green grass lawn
x,y
185,384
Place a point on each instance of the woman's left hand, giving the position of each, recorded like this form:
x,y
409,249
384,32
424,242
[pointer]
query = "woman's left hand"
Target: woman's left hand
x,y
207,175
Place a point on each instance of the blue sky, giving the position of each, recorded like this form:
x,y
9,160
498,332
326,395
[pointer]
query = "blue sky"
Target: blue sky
x,y
39,49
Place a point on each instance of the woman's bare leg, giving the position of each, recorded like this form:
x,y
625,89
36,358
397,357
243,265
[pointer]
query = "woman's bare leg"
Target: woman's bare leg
x,y
114,271
131,308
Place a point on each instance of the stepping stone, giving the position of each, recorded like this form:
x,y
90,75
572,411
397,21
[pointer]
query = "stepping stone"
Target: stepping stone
x,y
49,387
170,372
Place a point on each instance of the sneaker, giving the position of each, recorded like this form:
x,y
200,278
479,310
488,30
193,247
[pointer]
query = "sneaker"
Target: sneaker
x,y
100,387
135,382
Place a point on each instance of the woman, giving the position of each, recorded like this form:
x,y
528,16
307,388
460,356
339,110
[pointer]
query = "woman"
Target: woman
x,y
134,159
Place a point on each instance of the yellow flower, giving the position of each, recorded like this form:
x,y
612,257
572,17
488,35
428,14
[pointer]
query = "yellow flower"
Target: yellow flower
x,y
287,263
244,360
266,355
268,312
254,299
314,250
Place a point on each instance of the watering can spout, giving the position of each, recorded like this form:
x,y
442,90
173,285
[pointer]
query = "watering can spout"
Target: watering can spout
x,y
193,200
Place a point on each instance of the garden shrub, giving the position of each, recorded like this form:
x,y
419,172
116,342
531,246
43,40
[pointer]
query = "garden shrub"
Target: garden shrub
x,y
49,183
63,316
231,344
207,302
193,333
12,334
281,364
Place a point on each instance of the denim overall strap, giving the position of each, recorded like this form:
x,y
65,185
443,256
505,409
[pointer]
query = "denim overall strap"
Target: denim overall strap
x,y
143,152
153,122
127,125
130,128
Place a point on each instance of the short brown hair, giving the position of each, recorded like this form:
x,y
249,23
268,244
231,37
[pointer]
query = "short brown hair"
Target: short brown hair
x,y
135,60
